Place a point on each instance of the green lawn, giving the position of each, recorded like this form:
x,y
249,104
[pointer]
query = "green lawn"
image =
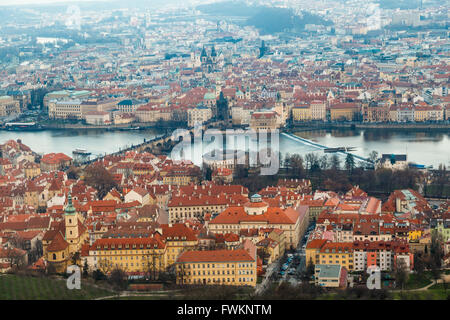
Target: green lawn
x,y
440,286
13,287
436,294
416,281
143,297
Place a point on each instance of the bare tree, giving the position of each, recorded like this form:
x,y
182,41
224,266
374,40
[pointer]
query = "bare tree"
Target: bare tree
x,y
118,279
15,257
105,266
401,276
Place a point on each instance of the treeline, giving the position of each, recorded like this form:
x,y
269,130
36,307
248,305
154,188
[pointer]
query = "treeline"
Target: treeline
x,y
328,173
331,174
308,291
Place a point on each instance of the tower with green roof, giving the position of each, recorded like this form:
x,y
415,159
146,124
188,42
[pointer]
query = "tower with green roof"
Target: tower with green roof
x,y
71,222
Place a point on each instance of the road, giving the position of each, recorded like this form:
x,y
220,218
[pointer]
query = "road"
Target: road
x,y
300,267
273,267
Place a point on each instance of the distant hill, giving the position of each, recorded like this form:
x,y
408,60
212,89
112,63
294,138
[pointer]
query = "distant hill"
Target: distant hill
x,y
228,8
272,20
267,20
399,4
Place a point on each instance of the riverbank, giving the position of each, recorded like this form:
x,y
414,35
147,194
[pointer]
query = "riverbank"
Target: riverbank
x,y
438,127
113,127
296,127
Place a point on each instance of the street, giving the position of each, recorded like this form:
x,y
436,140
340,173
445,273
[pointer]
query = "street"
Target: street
x,y
295,265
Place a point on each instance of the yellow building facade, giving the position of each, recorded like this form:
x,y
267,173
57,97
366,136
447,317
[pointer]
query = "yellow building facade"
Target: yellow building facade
x,y
128,254
337,253
302,113
224,267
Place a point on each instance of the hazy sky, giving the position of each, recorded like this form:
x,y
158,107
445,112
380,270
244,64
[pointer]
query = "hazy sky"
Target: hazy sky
x,y
19,2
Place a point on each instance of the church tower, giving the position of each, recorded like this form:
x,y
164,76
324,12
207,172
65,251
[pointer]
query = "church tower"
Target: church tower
x,y
203,56
213,55
71,222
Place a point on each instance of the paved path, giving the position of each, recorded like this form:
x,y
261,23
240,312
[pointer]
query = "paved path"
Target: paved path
x,y
133,294
424,288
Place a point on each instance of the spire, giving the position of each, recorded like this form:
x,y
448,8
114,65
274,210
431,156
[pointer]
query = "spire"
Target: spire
x,y
203,54
70,208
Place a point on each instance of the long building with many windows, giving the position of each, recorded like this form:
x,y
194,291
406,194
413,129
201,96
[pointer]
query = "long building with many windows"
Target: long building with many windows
x,y
226,267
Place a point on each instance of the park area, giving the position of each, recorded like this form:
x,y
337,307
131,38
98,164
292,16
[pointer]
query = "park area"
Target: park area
x,y
14,287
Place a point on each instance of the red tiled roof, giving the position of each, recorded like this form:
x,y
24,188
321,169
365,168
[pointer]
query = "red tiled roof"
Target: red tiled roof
x,y
238,255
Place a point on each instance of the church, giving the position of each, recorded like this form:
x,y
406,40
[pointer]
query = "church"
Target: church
x,y
208,62
64,240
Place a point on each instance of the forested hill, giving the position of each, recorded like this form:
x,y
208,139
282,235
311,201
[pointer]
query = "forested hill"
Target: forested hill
x,y
267,20
272,20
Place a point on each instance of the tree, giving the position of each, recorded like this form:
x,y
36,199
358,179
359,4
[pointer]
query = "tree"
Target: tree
x,y
17,242
73,173
50,269
118,279
105,266
208,173
294,165
98,275
436,251
85,269
373,156
241,171
264,255
335,163
310,270
312,161
401,276
76,258
441,178
323,162
349,162
419,264
15,257
98,177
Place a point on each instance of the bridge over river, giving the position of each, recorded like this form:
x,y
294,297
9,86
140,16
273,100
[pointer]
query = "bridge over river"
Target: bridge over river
x,y
322,147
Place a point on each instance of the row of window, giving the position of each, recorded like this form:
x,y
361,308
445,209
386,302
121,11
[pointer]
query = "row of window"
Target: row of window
x,y
213,265
218,280
125,252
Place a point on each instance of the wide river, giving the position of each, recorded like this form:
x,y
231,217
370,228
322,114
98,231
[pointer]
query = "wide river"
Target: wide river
x,y
421,147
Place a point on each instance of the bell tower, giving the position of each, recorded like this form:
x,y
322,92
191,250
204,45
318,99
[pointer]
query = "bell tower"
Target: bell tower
x,y
71,222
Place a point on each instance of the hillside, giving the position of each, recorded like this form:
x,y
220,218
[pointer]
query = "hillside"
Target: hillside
x,y
267,20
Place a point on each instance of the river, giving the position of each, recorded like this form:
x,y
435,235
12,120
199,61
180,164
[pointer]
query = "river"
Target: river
x,y
428,148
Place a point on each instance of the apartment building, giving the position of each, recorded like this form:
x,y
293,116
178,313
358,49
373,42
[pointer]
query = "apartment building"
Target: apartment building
x,y
9,106
264,120
302,112
318,110
129,254
198,115
219,267
256,214
340,253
